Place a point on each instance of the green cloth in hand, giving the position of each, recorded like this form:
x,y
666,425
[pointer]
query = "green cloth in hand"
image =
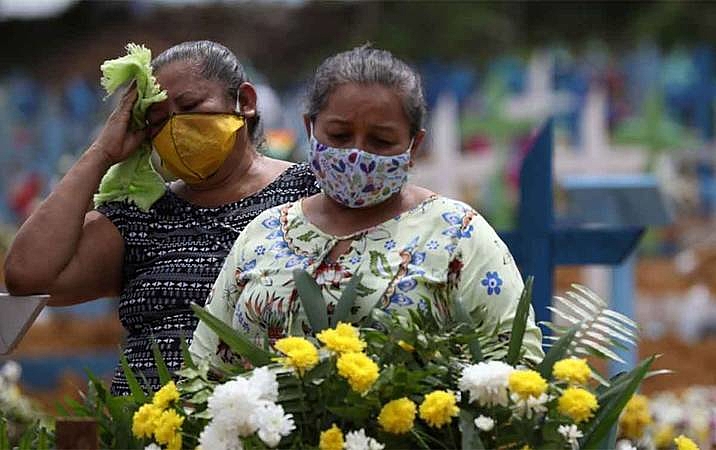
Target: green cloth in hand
x,y
133,179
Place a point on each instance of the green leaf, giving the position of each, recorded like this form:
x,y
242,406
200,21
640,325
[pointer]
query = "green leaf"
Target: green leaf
x,y
77,408
162,369
238,343
4,438
26,440
557,352
43,439
312,300
345,303
186,354
460,313
520,323
60,410
137,393
470,436
355,413
606,417
463,317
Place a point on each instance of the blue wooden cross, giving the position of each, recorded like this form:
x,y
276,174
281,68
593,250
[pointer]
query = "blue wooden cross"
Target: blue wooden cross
x,y
538,245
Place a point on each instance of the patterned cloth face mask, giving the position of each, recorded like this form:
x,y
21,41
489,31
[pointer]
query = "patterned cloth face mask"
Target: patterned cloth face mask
x,y
357,178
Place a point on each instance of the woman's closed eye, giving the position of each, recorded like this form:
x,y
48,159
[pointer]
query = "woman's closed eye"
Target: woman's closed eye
x,y
189,105
340,137
382,143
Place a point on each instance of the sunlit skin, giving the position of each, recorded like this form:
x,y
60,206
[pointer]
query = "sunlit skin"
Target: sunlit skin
x,y
244,171
371,118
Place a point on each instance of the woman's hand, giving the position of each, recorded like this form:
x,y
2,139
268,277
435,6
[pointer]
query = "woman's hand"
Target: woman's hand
x,y
117,141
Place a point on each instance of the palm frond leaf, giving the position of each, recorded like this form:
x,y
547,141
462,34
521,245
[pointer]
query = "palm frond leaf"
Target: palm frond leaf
x,y
601,330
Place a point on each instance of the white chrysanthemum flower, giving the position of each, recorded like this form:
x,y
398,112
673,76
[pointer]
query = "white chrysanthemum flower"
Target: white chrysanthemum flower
x,y
273,423
486,382
484,423
264,380
152,446
571,434
530,406
232,404
11,372
668,409
625,444
217,437
357,440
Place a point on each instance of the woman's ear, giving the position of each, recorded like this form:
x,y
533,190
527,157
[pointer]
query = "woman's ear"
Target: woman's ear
x,y
417,142
247,100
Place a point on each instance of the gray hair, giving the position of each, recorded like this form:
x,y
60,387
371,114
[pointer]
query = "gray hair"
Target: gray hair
x,y
217,63
366,65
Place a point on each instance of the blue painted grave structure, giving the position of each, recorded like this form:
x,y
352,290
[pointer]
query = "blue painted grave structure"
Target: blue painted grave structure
x,y
538,244
618,201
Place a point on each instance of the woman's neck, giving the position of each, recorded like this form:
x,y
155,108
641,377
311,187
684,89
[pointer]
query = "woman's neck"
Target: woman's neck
x,y
339,220
238,177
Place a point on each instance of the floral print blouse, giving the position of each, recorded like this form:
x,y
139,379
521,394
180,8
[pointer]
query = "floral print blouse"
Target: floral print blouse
x,y
438,250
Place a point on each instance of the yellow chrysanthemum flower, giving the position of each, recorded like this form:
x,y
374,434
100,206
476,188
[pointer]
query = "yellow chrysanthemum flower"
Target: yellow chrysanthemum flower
x,y
397,416
166,395
684,443
331,439
438,408
145,420
405,346
527,383
635,417
175,442
578,404
300,353
360,371
342,339
572,370
167,426
664,436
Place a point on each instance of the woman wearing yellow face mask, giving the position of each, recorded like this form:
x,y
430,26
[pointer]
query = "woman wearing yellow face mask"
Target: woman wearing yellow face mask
x,y
161,260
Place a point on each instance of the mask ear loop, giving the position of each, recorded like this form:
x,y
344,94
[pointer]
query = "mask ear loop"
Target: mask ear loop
x,y
237,109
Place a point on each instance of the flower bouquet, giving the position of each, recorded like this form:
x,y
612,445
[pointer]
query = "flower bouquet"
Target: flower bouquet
x,y
22,425
429,379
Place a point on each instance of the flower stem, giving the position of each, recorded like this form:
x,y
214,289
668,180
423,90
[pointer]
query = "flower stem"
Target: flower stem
x,y
452,437
304,418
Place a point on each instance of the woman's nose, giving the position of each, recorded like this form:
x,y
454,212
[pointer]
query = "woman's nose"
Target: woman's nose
x,y
360,142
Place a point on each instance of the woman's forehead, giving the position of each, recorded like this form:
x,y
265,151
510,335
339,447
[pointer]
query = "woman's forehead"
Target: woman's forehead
x,y
350,101
180,77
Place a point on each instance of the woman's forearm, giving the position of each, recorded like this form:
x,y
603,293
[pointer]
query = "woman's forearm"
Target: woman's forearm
x,y
47,241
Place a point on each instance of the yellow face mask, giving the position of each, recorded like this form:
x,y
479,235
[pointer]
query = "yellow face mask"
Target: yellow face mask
x,y
194,145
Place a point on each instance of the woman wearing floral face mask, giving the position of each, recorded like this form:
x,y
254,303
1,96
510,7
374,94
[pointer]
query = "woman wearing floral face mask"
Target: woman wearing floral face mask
x,y
161,260
410,245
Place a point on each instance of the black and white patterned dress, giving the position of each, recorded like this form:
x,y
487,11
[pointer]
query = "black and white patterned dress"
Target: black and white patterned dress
x,y
172,255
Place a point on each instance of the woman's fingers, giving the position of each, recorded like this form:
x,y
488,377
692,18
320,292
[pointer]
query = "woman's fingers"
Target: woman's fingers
x,y
134,139
128,99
